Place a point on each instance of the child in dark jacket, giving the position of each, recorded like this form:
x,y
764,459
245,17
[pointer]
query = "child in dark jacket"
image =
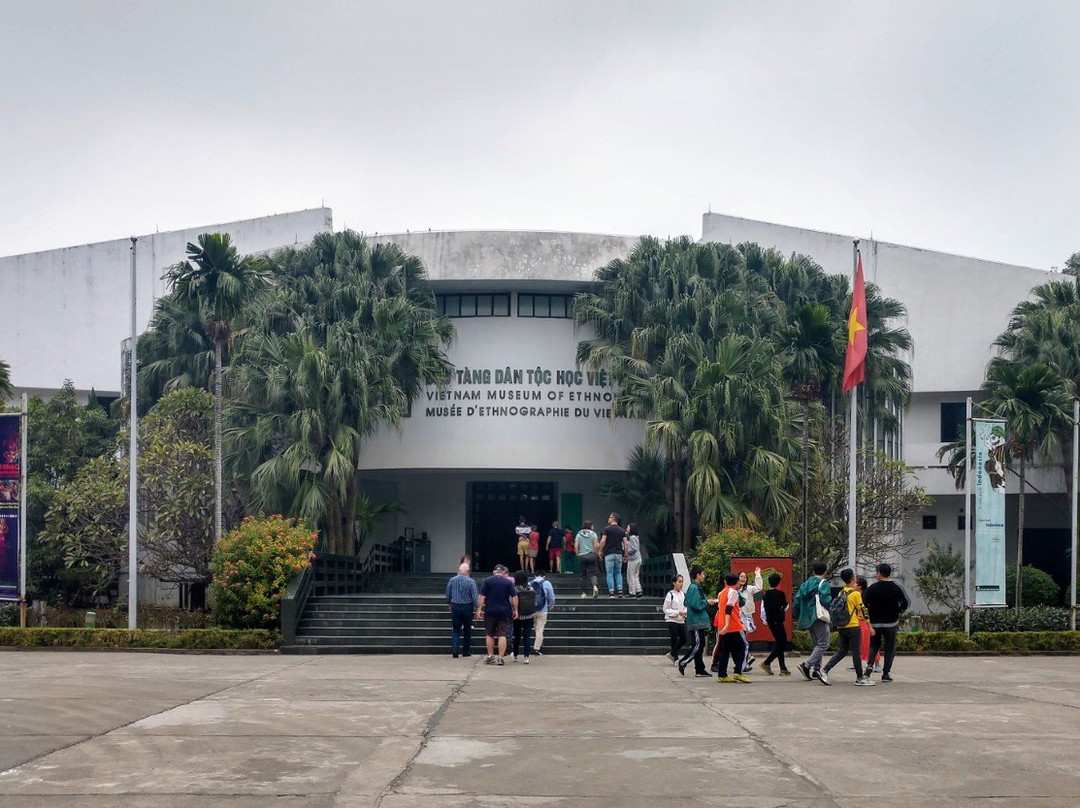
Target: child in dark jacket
x,y
775,603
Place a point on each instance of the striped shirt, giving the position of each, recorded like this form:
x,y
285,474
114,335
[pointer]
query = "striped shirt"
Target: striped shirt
x,y
461,591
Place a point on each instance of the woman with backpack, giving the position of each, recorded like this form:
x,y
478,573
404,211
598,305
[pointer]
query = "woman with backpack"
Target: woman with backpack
x,y
675,617
523,623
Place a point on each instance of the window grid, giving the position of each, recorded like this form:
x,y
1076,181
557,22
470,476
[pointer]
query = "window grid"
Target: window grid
x,y
545,306
473,305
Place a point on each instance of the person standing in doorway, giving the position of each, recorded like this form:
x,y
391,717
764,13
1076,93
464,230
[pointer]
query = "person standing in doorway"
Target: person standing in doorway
x,y
612,546
633,562
556,541
585,547
814,592
521,533
675,617
462,597
697,622
545,599
775,605
885,600
497,605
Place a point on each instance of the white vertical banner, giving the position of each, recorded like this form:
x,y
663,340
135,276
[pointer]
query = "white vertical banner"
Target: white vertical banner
x,y
989,486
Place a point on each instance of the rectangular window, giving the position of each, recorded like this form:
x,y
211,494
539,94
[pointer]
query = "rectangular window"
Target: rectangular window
x,y
547,306
953,416
929,522
487,305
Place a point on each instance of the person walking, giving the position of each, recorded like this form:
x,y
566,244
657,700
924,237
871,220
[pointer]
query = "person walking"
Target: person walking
x,y
850,606
811,610
675,617
633,562
545,599
731,633
747,606
774,605
497,606
612,547
521,533
556,542
885,601
534,547
864,632
523,620
585,549
568,560
697,622
462,597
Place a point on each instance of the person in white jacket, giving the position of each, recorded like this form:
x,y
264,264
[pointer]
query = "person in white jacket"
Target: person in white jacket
x,y
675,617
747,591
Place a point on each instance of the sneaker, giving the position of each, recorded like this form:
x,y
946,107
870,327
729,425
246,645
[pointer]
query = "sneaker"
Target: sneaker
x,y
670,656
877,668
785,672
611,597
595,591
467,655
536,652
866,681
727,680
489,660
715,667
703,673
805,671
455,654
750,660
768,671
746,680
583,596
682,669
513,657
500,661
823,676
747,666
525,660
886,677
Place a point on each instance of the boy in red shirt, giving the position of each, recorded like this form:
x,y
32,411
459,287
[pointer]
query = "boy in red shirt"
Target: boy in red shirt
x,y
730,631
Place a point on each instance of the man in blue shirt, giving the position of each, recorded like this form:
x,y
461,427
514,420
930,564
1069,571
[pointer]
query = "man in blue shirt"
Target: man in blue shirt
x,y
462,598
498,606
543,603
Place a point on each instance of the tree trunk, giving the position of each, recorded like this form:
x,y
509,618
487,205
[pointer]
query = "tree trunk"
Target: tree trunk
x,y
689,518
673,535
1020,538
217,441
348,529
680,537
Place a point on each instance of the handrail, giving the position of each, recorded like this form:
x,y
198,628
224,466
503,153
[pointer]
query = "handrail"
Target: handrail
x,y
293,602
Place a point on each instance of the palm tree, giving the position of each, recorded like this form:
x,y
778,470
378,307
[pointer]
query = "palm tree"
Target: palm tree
x,y
341,347
175,352
1034,401
6,390
217,283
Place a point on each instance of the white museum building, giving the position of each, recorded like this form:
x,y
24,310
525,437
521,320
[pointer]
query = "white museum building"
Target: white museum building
x,y
522,430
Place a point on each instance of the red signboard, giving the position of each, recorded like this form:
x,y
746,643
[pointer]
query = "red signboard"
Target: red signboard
x,y
768,567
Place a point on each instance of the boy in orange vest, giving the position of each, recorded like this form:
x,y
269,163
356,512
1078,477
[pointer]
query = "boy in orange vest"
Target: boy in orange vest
x,y
730,631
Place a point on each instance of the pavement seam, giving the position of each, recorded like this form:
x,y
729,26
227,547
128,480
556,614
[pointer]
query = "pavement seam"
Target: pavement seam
x,y
780,758
104,732
432,724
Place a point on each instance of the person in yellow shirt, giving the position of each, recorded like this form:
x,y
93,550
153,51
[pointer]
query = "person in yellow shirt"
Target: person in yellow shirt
x,y
849,632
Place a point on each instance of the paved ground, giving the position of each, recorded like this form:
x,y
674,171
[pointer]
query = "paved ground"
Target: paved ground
x,y
97,729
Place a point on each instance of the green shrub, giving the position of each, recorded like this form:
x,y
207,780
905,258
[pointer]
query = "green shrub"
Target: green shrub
x,y
251,567
1028,642
714,553
1036,618
1003,642
203,639
1040,589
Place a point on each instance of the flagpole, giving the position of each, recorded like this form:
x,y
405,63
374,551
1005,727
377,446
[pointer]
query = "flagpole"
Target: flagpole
x,y
968,471
852,455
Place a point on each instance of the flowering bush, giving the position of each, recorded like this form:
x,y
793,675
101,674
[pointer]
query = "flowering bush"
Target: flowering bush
x,y
714,553
251,567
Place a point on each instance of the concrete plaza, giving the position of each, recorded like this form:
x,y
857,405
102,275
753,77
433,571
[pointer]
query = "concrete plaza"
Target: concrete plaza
x,y
127,729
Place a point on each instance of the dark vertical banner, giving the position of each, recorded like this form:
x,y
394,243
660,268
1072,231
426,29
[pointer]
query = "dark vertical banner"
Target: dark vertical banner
x,y
10,480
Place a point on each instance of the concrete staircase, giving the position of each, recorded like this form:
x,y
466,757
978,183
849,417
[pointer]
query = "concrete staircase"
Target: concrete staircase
x,y
407,614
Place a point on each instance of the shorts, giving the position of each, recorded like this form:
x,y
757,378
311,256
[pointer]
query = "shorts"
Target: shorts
x,y
532,553
523,547
496,626
554,552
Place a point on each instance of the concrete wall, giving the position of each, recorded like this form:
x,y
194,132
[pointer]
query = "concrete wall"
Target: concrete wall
x,y
68,309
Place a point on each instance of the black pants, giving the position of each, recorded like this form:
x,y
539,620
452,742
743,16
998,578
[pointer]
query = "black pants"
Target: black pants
x,y
523,635
850,642
677,632
732,645
695,651
461,618
779,633
588,572
888,633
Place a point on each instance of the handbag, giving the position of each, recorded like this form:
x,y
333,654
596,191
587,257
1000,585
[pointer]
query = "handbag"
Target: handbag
x,y
820,612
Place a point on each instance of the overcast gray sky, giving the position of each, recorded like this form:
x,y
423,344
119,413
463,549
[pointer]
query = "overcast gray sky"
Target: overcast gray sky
x,y
947,125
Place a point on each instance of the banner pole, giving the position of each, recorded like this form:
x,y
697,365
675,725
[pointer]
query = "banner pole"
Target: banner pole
x,y
22,512
1072,496
133,449
852,454
967,520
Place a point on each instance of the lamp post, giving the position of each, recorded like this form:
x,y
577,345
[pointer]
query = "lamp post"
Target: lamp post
x,y
133,448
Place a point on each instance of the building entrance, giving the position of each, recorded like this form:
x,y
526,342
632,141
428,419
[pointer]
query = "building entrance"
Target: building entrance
x,y
496,507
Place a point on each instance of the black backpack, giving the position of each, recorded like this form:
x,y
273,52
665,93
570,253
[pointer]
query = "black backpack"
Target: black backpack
x,y
839,609
526,601
541,595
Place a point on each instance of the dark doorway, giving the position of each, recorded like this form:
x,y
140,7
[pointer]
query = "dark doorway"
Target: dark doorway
x,y
496,507
1048,549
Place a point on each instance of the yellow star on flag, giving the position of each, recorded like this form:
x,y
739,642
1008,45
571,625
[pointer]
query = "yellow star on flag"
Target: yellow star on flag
x,y
853,326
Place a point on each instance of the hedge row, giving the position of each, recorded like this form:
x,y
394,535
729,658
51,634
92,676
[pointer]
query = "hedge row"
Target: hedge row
x,y
1003,642
215,639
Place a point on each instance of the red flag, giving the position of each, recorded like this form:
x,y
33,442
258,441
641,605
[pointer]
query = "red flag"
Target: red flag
x,y
855,362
